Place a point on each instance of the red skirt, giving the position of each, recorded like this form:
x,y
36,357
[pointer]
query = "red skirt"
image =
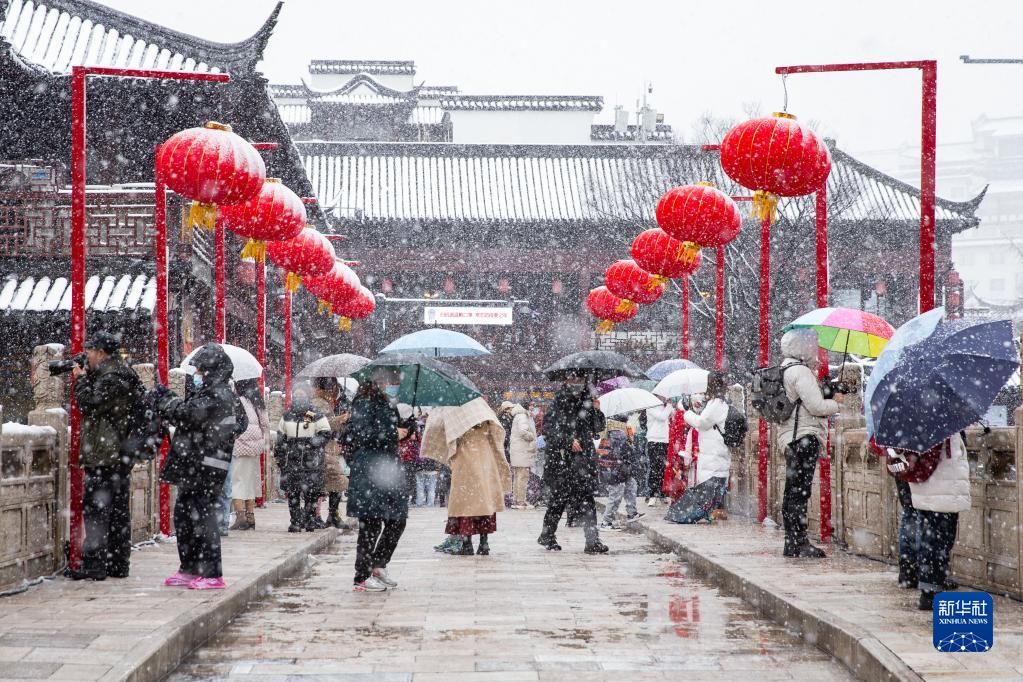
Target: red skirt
x,y
471,525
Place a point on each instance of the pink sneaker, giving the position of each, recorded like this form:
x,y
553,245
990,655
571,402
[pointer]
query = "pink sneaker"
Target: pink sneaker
x,y
180,579
207,584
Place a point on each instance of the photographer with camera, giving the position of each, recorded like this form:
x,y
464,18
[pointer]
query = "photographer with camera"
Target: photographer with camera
x,y
802,434
105,390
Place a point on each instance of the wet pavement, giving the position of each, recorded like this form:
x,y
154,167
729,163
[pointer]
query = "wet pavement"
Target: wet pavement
x,y
520,614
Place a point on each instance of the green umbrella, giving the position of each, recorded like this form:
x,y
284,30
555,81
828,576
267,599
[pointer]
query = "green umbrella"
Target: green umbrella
x,y
425,381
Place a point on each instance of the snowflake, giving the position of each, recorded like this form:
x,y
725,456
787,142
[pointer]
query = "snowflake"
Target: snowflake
x,y
963,641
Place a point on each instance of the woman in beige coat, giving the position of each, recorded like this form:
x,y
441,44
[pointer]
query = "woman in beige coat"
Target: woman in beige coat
x,y
470,441
325,399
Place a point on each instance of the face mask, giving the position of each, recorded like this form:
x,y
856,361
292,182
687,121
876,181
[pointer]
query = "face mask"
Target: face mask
x,y
197,380
391,390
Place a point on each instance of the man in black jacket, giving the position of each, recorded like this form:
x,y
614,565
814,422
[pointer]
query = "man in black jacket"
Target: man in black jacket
x,y
571,425
206,423
104,391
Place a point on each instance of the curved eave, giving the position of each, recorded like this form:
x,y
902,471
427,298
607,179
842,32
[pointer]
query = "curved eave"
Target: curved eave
x,y
354,82
236,58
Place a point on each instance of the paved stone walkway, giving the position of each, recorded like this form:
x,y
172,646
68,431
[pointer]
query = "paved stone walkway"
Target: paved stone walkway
x,y
860,594
114,629
520,614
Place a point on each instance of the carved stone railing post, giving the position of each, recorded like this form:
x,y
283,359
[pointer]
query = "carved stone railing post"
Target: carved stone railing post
x,y
48,395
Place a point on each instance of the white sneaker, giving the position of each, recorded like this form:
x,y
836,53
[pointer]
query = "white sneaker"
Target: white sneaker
x,y
371,584
381,575
652,502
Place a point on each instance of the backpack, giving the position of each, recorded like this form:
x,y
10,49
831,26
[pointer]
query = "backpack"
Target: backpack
x,y
144,429
768,395
736,426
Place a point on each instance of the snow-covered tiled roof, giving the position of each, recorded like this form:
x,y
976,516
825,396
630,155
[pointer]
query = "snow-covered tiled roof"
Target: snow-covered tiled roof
x,y
602,132
426,115
354,66
102,293
521,102
445,182
59,34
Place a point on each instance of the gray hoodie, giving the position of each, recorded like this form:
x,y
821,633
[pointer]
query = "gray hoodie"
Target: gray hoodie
x,y
800,345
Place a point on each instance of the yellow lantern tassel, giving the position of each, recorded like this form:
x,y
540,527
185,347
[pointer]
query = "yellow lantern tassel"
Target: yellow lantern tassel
x,y
203,215
323,307
344,324
765,205
687,252
292,282
626,306
605,326
254,249
656,281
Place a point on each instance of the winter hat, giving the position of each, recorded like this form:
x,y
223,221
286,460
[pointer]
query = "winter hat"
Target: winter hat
x,y
104,341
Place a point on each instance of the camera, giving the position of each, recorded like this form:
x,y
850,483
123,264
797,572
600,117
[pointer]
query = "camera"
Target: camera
x,y
830,387
58,367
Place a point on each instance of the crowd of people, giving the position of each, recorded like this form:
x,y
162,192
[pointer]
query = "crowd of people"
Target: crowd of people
x,y
384,457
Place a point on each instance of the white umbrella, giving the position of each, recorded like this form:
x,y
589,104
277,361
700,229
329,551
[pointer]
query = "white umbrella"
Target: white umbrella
x,y
682,382
625,400
245,364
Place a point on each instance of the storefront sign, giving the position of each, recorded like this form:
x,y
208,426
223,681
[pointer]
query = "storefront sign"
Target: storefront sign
x,y
445,315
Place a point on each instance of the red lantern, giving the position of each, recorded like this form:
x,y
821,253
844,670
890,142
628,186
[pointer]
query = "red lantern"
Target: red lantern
x,y
358,307
662,256
307,254
608,308
211,166
339,284
274,214
775,156
699,216
632,283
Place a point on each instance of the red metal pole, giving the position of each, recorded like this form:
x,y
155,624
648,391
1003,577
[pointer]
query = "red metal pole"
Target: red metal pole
x,y
261,358
928,153
764,358
75,473
221,313
685,317
161,327
719,310
287,348
821,205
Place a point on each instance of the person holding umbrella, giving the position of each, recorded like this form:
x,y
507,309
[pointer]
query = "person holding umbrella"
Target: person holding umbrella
x,y
376,488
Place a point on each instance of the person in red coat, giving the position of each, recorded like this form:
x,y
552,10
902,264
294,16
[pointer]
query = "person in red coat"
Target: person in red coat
x,y
675,473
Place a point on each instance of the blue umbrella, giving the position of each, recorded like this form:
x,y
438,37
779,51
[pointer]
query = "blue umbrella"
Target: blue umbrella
x,y
666,367
939,382
439,343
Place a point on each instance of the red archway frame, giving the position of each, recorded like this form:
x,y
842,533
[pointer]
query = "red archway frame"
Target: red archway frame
x,y
79,78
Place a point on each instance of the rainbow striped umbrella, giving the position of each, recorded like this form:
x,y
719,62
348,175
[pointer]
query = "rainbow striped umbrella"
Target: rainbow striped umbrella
x,y
846,330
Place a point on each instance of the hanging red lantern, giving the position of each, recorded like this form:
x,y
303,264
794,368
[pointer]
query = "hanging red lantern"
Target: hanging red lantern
x,y
632,283
357,307
275,213
330,289
775,156
211,166
699,216
663,257
307,254
608,308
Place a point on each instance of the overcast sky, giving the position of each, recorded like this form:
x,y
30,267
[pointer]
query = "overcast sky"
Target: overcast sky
x,y
700,56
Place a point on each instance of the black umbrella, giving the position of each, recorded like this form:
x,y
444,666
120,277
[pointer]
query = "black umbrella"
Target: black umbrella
x,y
596,365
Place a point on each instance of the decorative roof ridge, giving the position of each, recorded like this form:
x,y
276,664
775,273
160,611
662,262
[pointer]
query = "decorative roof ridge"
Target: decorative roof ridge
x,y
245,54
966,209
498,150
303,89
467,101
392,66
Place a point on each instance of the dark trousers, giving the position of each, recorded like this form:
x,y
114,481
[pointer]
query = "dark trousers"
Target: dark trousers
x,y
378,538
580,507
107,515
909,534
197,515
333,504
302,506
937,537
800,465
657,460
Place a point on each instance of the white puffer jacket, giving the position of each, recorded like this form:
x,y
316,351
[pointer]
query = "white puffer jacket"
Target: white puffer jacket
x,y
948,488
522,443
657,419
800,345
714,457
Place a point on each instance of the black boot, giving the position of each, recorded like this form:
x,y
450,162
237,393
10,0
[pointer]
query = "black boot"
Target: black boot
x,y
927,601
907,574
484,548
549,542
295,510
333,516
596,547
803,551
310,516
466,548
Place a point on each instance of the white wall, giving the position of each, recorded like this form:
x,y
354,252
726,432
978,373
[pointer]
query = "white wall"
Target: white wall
x,y
522,127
